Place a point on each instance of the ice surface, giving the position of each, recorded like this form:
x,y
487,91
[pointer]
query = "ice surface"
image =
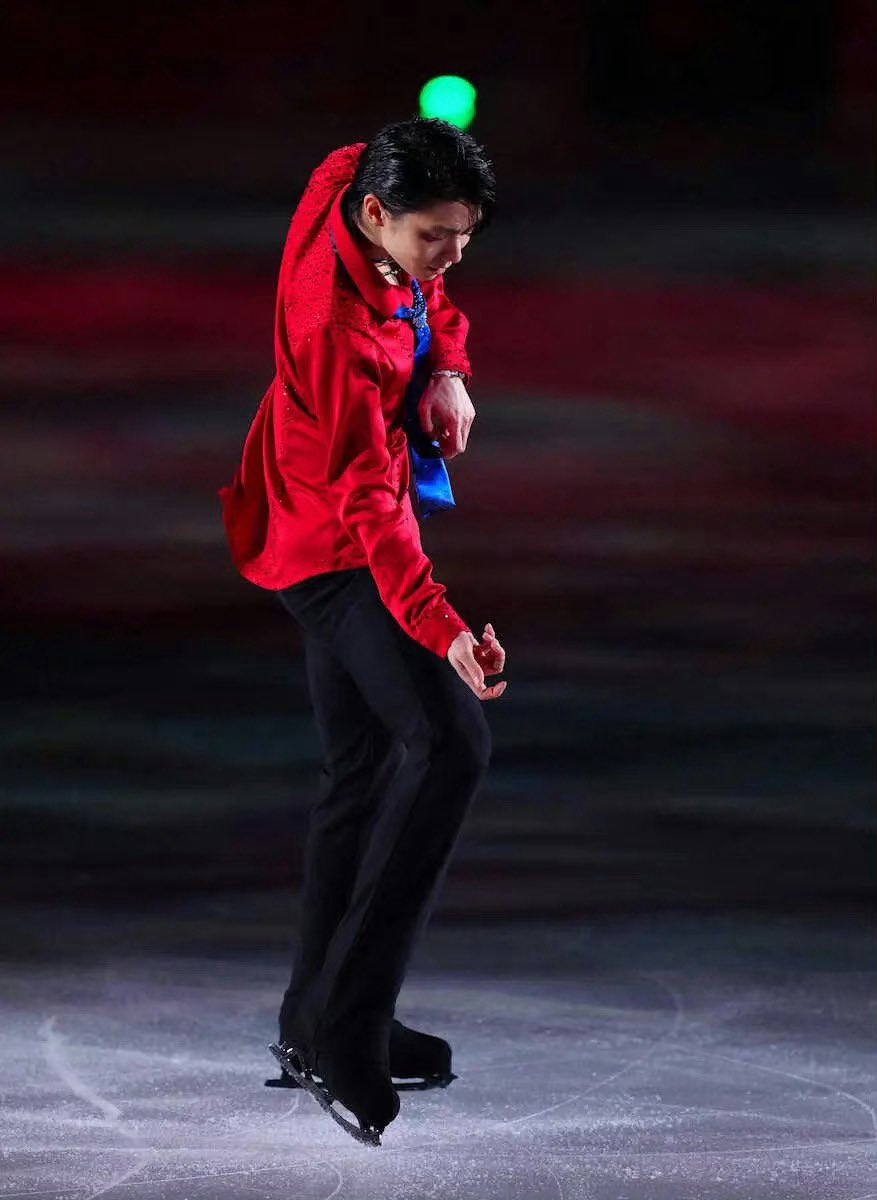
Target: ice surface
x,y
666,1058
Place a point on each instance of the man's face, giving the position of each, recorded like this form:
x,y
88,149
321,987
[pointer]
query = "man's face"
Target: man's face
x,y
426,243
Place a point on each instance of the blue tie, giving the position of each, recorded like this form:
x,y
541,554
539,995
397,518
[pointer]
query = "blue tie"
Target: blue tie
x,y
431,480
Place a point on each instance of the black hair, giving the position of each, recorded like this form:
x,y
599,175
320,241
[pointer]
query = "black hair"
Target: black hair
x,y
419,162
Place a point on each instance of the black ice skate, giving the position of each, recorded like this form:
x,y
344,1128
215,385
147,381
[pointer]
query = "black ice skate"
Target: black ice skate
x,y
421,1060
350,1078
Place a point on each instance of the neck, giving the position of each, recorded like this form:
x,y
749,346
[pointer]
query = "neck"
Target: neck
x,y
371,244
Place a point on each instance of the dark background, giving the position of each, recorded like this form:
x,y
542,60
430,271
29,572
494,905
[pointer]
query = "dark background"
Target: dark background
x,y
666,506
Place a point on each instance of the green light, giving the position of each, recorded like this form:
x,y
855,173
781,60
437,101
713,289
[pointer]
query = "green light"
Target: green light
x,y
449,97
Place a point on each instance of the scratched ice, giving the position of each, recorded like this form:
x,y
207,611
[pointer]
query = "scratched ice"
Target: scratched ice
x,y
666,1057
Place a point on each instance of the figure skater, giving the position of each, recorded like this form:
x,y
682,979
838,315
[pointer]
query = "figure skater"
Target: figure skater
x,y
346,452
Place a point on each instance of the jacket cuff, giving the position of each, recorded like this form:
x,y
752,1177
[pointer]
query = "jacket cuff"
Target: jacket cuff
x,y
438,628
451,359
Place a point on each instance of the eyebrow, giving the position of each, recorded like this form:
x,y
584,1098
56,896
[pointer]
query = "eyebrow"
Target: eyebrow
x,y
448,229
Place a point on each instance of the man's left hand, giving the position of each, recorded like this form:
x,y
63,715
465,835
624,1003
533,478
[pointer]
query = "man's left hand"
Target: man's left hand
x,y
447,413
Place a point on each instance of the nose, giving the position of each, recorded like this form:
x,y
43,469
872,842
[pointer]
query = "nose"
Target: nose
x,y
456,253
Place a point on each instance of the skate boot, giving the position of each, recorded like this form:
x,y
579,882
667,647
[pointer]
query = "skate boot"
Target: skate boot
x,y
354,1077
422,1060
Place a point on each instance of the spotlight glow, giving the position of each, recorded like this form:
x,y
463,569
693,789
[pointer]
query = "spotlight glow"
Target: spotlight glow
x,y
449,97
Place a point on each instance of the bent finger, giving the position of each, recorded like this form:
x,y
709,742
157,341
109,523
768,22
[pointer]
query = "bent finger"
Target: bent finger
x,y
494,692
455,438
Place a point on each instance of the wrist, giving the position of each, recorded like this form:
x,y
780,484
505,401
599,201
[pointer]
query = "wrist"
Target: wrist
x,y
438,628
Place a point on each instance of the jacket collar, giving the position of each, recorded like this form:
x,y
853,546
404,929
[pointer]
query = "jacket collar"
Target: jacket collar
x,y
385,297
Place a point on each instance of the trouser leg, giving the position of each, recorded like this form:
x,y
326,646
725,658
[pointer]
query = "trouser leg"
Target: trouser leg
x,y
405,861
359,757
420,700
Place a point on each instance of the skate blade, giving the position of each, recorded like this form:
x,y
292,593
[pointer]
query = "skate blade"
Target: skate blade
x,y
426,1083
293,1063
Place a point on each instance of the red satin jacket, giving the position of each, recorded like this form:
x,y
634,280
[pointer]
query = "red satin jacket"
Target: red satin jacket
x,y
324,479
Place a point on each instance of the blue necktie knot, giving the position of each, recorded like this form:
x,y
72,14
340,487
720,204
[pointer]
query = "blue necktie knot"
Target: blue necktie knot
x,y
416,314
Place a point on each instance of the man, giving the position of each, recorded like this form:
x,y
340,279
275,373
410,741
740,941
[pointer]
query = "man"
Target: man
x,y
369,397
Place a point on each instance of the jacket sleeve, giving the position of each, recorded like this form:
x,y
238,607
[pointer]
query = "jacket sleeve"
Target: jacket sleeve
x,y
449,328
338,370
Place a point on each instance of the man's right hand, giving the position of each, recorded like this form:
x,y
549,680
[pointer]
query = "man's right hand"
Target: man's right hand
x,y
472,660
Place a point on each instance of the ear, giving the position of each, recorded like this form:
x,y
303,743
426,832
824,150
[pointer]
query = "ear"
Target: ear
x,y
373,209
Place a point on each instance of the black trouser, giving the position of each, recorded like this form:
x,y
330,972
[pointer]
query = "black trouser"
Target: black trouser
x,y
405,746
